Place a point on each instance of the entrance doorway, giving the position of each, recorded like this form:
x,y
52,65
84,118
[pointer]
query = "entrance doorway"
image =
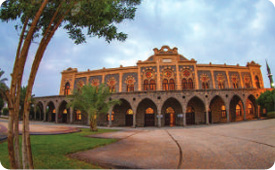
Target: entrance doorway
x,y
170,117
129,117
149,118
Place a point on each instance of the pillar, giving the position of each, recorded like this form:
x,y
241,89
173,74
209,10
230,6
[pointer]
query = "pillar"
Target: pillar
x,y
227,108
159,119
134,120
56,114
45,112
110,118
184,114
244,110
134,108
71,114
207,113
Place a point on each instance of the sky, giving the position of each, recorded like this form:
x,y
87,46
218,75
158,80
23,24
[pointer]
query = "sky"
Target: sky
x,y
217,31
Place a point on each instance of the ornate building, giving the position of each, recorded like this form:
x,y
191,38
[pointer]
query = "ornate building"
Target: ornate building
x,y
165,90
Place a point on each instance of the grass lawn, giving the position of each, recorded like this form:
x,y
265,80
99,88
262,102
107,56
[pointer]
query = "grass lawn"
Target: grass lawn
x,y
49,151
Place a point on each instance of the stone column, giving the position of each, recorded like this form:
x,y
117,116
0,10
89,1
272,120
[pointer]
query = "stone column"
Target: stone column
x,y
71,114
207,113
227,108
134,108
56,114
184,116
110,118
134,120
244,110
45,112
159,119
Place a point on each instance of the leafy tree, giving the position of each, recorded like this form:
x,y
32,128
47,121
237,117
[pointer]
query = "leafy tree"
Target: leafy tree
x,y
39,19
2,89
267,100
92,101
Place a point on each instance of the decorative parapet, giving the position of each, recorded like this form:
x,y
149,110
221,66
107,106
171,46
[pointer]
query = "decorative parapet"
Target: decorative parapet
x,y
166,50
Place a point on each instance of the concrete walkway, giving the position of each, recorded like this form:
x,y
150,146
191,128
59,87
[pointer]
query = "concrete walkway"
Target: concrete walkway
x,y
242,145
40,128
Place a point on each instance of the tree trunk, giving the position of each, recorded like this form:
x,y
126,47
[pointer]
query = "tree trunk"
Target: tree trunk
x,y
10,140
93,123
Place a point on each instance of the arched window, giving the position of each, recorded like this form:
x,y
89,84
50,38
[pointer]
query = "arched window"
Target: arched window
x,y
165,85
190,84
130,87
223,111
152,85
250,109
257,81
146,85
184,84
238,110
247,85
112,89
221,85
235,85
171,84
149,111
205,85
67,89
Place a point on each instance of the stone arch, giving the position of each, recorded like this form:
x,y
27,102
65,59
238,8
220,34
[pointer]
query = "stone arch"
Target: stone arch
x,y
251,107
64,113
39,111
120,115
143,118
51,112
217,110
195,111
236,108
170,110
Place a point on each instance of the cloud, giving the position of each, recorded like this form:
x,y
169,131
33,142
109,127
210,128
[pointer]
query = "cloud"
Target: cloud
x,y
217,31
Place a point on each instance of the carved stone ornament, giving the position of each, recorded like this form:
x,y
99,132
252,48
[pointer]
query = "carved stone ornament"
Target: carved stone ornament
x,y
130,80
95,82
204,78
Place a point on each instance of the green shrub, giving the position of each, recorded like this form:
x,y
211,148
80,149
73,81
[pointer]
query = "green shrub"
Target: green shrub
x,y
271,114
6,111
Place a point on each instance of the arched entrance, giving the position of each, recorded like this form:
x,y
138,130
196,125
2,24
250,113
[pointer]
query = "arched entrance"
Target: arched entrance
x,y
64,113
39,111
123,114
146,112
195,113
51,112
218,110
170,110
251,107
236,109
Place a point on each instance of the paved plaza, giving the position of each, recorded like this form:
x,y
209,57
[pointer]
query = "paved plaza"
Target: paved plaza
x,y
240,145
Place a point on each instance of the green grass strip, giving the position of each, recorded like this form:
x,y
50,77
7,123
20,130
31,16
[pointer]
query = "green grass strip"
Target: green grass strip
x,y
49,151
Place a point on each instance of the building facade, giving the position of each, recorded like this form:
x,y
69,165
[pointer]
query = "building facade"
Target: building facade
x,y
167,89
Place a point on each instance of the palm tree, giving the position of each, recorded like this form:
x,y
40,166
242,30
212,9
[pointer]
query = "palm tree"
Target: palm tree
x,y
92,100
